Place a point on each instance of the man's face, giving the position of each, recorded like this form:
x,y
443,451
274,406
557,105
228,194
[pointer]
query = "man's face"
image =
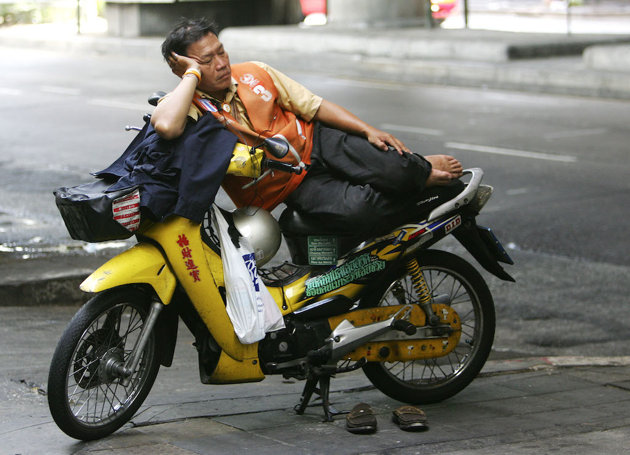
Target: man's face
x,y
215,64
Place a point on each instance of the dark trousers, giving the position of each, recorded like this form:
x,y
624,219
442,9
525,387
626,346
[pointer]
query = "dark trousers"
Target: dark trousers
x,y
353,187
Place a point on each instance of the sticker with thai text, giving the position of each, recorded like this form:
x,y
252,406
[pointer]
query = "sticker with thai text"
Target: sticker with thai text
x,y
346,273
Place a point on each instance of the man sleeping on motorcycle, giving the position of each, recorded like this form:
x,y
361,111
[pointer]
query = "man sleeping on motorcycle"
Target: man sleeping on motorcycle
x,y
357,176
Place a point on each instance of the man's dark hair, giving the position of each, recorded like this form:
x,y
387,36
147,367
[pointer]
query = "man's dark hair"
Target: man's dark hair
x,y
186,32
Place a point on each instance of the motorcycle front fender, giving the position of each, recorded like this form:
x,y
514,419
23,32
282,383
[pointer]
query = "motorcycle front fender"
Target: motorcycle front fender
x,y
141,264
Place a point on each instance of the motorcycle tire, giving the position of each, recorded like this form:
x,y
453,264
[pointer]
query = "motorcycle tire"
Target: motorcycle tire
x,y
86,398
434,380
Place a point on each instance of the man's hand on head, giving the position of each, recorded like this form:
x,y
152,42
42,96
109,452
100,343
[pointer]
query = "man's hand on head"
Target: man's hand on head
x,y
180,63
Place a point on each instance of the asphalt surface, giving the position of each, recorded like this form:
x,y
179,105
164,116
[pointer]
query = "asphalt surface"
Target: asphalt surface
x,y
538,62
563,405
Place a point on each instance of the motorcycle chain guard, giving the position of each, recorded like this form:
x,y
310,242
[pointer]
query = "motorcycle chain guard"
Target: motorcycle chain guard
x,y
396,346
393,345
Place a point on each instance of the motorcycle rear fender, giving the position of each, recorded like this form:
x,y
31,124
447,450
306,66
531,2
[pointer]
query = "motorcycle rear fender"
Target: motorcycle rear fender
x,y
141,264
472,237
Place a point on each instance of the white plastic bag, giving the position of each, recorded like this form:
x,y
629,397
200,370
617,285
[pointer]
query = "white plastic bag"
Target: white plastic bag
x,y
250,306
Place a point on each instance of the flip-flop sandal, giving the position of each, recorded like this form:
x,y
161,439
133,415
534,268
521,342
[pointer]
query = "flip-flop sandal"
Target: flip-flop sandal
x,y
410,418
361,420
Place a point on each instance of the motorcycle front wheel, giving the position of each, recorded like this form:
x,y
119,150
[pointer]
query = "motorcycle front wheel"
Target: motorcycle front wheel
x,y
88,399
452,280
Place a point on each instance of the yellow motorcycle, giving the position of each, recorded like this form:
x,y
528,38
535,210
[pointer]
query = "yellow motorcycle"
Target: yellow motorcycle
x,y
419,322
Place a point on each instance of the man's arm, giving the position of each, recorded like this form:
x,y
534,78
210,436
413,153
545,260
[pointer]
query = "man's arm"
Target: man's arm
x,y
444,168
337,117
171,114
296,98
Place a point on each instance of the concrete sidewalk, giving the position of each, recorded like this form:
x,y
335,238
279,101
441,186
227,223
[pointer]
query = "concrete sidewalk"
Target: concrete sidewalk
x,y
517,405
51,279
524,406
521,406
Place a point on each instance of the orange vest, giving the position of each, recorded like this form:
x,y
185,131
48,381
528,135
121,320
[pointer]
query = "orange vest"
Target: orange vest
x,y
259,95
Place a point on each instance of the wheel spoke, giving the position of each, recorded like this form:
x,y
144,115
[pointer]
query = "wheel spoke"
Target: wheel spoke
x,y
85,391
94,395
85,402
441,276
109,400
463,299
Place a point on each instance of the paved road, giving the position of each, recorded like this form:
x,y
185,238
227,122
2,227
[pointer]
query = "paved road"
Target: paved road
x,y
558,162
559,165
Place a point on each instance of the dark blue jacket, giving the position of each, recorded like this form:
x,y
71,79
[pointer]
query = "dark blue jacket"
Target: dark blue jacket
x,y
176,177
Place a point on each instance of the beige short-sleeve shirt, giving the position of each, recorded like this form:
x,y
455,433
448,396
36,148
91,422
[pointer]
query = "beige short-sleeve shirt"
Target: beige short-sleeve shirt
x,y
292,96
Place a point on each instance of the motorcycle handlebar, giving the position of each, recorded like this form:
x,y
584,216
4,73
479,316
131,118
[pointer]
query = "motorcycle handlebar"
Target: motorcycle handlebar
x,y
281,166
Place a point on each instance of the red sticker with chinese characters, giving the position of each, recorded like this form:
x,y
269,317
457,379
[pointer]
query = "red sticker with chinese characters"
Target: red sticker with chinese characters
x,y
192,268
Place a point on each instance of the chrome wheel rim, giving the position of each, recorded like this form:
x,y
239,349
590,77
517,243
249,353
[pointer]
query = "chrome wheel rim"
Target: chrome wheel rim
x,y
461,297
95,394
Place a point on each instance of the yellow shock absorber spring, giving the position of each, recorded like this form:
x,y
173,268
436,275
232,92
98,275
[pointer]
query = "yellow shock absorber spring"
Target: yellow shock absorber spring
x,y
419,283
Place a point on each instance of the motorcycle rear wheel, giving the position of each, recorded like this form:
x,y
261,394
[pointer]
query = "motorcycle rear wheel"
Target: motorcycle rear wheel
x,y
434,380
87,399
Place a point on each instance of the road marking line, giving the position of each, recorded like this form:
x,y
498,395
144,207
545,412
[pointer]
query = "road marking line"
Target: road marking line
x,y
60,90
10,91
576,133
411,129
118,104
510,152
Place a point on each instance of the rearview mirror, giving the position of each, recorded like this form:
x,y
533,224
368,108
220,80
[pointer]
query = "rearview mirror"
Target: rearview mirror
x,y
277,146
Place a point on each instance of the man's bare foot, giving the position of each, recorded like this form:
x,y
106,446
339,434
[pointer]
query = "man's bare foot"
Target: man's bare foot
x,y
437,178
446,163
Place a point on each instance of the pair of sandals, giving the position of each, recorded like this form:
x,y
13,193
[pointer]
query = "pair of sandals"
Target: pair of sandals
x,y
361,420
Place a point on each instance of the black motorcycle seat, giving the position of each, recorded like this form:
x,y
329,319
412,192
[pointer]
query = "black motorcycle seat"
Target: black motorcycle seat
x,y
297,228
293,222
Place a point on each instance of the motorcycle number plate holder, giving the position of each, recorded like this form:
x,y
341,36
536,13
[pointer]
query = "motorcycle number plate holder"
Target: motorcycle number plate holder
x,y
322,250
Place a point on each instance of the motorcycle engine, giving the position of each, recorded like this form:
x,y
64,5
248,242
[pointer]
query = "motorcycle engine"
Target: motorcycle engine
x,y
291,343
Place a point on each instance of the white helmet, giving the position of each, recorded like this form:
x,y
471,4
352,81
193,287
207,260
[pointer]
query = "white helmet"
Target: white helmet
x,y
261,230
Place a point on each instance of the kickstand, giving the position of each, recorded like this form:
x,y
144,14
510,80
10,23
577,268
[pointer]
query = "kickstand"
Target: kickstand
x,y
323,391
